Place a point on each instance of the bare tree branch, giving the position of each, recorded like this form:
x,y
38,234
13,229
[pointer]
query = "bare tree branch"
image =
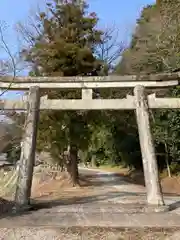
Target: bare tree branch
x,y
168,39
111,48
32,28
12,64
8,66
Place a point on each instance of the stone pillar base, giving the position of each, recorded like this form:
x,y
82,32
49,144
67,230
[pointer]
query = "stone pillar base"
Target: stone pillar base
x,y
21,208
156,209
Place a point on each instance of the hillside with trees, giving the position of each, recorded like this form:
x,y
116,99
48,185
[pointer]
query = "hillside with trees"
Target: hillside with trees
x,y
155,48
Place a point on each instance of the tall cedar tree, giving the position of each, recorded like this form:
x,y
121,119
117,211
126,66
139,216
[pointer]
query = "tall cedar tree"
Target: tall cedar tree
x,y
66,47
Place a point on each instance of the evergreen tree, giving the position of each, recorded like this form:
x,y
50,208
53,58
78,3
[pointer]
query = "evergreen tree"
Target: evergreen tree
x,y
65,47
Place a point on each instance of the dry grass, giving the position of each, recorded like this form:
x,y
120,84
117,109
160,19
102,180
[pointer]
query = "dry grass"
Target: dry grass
x,y
8,180
171,185
60,188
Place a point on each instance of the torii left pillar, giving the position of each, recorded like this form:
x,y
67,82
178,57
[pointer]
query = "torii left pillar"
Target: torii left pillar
x,y
28,150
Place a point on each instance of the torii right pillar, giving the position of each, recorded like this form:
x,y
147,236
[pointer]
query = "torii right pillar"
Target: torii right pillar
x,y
151,175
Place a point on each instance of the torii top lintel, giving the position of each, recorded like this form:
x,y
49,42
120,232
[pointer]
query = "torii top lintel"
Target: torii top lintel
x,y
113,81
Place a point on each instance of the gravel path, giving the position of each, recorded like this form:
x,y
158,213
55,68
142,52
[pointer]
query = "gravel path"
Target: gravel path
x,y
89,234
117,204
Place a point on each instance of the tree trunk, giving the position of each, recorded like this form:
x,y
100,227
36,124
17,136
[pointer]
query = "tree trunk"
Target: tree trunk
x,y
167,160
93,162
72,164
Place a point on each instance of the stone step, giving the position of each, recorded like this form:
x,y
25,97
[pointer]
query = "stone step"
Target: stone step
x,y
90,218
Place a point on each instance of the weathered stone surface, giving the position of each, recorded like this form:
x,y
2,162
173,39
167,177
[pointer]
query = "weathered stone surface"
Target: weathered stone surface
x,y
111,78
154,194
28,149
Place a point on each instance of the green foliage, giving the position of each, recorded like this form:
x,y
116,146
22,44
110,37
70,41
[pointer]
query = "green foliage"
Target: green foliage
x,y
66,47
60,129
101,147
155,47
126,141
67,41
13,136
167,128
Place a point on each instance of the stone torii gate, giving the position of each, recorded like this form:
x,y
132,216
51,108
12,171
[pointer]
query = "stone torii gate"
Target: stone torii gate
x,y
140,102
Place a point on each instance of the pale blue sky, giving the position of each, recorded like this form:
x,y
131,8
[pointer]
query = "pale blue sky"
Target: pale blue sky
x,y
122,14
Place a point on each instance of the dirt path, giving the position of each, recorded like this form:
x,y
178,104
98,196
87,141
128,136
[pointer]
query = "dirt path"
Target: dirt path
x,y
126,192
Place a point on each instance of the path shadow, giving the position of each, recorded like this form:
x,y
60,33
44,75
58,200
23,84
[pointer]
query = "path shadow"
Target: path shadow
x,y
174,206
5,205
39,204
